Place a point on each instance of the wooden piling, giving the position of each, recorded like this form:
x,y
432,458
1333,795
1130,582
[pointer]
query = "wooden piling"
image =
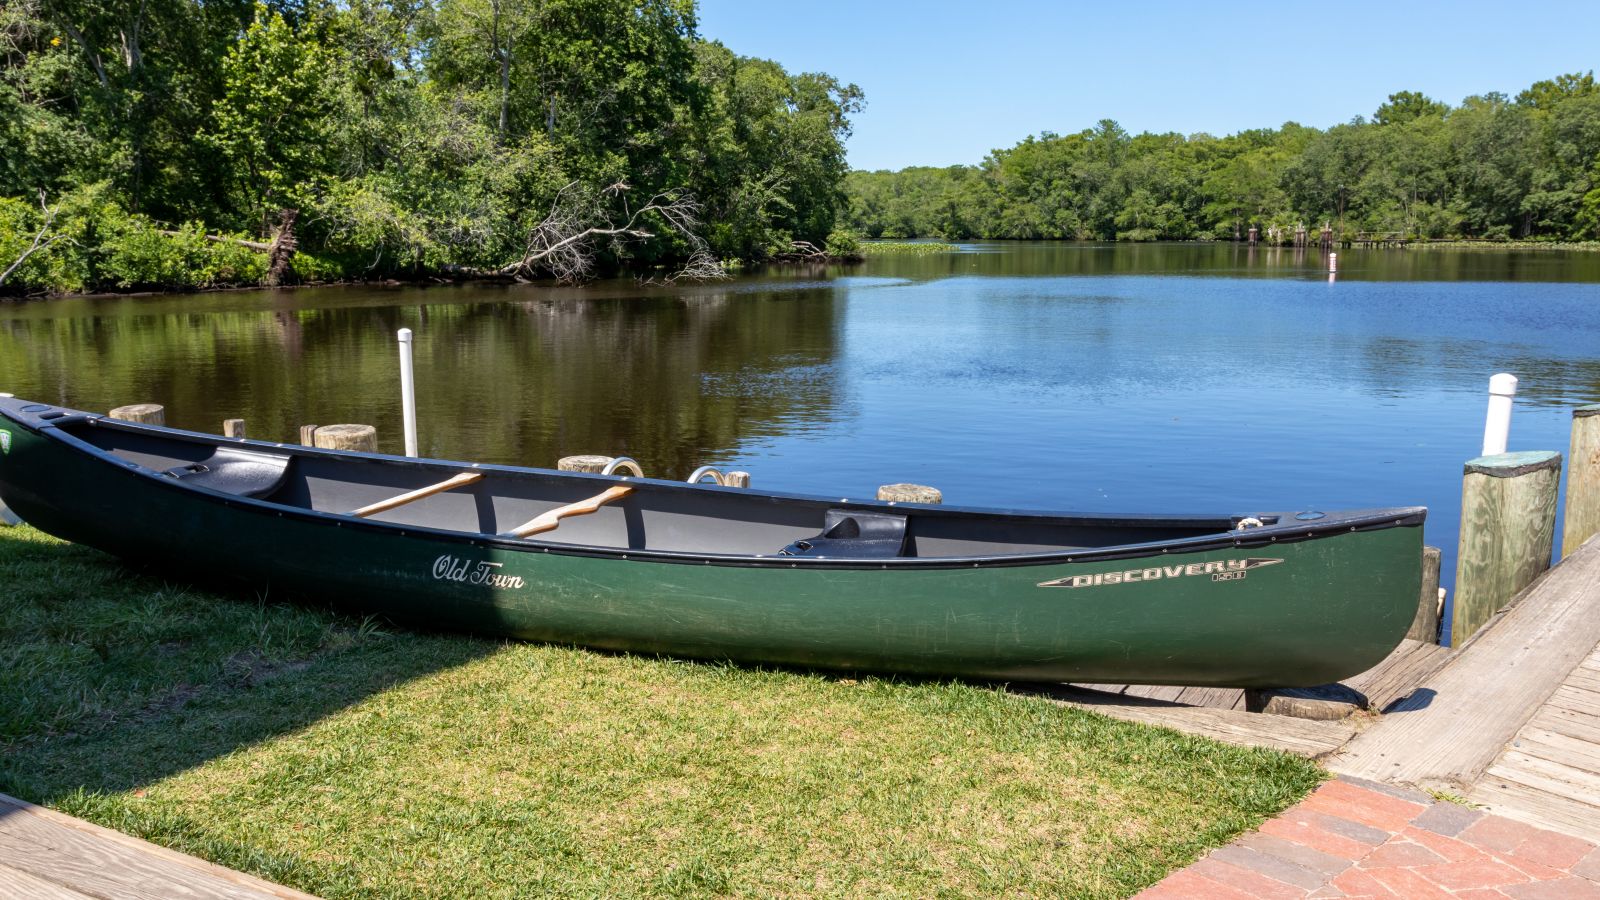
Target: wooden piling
x,y
910,493
363,438
233,428
1508,526
308,435
1425,627
1582,520
145,413
737,479
587,462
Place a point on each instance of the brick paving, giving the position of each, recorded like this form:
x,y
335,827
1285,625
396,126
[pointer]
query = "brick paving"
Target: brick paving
x,y
1355,838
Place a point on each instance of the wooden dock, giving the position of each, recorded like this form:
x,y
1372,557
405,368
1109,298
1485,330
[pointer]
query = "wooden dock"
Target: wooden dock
x,y
1513,720
45,855
1549,775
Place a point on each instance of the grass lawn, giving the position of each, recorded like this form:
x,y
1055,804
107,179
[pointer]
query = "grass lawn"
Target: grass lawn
x,y
353,758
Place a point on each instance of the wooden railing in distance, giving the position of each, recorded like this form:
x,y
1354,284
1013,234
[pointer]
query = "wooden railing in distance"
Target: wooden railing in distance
x,y
550,521
448,484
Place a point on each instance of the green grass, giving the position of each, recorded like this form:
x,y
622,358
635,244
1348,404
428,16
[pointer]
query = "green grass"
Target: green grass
x,y
906,248
356,759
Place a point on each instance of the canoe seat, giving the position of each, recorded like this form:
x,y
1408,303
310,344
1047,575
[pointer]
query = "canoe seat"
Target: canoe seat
x,y
230,470
853,534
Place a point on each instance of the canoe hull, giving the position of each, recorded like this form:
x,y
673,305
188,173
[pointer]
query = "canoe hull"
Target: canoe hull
x,y
1291,613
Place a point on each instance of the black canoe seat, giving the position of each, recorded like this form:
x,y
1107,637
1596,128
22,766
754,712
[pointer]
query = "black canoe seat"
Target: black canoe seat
x,y
853,534
231,470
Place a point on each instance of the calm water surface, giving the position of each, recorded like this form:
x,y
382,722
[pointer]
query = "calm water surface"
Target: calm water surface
x,y
1180,378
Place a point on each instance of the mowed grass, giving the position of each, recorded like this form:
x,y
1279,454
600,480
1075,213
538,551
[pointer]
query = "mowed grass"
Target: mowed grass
x,y
353,758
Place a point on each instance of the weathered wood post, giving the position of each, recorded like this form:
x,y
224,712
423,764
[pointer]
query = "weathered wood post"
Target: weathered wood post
x,y
910,493
363,438
738,479
1255,234
1300,235
587,462
1508,528
1425,627
1327,236
233,428
1583,480
308,435
144,413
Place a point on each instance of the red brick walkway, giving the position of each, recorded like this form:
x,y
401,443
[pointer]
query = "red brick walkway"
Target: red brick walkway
x,y
1354,838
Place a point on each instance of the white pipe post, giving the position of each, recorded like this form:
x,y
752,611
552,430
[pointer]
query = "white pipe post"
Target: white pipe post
x,y
408,392
1497,427
1333,262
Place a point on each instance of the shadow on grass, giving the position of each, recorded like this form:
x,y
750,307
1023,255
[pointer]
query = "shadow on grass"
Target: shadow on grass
x,y
111,679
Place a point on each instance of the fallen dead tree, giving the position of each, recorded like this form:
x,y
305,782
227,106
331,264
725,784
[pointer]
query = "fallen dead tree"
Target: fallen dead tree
x,y
566,243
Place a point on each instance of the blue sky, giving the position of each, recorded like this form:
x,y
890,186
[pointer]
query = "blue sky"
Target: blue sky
x,y
947,82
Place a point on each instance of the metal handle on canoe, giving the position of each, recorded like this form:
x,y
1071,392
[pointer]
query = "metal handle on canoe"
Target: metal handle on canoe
x,y
716,474
622,462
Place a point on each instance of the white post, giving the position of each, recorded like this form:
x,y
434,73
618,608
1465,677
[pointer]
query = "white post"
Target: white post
x,y
408,393
1333,262
1497,427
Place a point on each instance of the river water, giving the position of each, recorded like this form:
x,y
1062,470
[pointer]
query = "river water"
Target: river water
x,y
1157,378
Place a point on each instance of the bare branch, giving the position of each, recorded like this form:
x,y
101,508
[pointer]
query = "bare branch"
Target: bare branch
x,y
40,242
701,266
566,242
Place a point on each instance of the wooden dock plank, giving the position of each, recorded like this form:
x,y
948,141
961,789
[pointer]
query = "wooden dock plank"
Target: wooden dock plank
x,y
1400,673
1576,700
1304,737
1448,734
1556,747
16,884
1573,724
80,856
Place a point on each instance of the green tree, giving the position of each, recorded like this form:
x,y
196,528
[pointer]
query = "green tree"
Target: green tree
x,y
1408,106
271,122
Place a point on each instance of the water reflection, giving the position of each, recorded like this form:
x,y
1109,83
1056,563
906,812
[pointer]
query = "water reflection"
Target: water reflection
x,y
673,380
1244,261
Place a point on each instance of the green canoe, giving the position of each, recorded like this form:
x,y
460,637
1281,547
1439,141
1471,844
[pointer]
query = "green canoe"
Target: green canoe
x,y
1255,600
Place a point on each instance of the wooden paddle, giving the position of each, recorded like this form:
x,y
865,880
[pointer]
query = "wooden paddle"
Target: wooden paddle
x,y
551,520
461,480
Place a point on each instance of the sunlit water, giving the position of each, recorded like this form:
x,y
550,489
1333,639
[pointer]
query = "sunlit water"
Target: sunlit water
x,y
1189,378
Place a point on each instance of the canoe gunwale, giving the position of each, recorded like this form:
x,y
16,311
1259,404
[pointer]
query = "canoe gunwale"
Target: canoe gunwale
x,y
1288,531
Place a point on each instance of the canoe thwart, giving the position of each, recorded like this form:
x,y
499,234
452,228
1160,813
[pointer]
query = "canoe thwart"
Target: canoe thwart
x,y
448,484
550,521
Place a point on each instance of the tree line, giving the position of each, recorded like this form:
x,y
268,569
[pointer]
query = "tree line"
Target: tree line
x,y
1494,167
169,143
